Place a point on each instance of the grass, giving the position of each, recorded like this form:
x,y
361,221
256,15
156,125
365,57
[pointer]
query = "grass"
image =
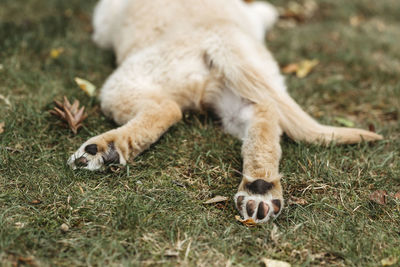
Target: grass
x,y
152,212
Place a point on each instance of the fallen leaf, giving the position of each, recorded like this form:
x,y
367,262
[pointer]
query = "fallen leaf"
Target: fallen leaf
x,y
216,200
56,52
1,127
378,196
36,202
299,12
397,195
389,261
71,114
305,67
26,261
291,68
302,68
86,86
249,222
344,122
274,263
297,200
1,67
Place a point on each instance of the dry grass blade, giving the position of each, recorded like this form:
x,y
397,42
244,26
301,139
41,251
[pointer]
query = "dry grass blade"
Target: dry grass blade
x,y
71,114
216,199
274,263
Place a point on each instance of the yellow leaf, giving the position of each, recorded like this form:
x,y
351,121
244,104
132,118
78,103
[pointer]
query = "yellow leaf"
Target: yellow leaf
x,y
389,261
305,67
249,222
291,68
344,121
56,52
86,86
274,263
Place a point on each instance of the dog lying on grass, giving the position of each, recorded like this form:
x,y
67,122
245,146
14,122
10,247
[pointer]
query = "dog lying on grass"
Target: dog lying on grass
x,y
201,54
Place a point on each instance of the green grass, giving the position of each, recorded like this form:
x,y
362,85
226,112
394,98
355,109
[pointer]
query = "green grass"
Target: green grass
x,y
154,206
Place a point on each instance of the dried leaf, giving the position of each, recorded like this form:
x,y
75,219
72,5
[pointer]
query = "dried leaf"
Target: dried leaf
x,y
302,68
299,12
291,68
86,86
249,222
344,122
389,261
36,202
71,114
379,196
56,52
274,263
26,261
216,200
397,195
305,67
1,127
297,200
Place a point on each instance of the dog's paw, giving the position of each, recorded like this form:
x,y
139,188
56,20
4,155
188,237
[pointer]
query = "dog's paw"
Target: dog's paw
x,y
96,155
258,202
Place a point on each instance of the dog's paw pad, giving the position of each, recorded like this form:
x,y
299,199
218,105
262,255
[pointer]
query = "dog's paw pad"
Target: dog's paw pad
x,y
257,202
92,157
91,149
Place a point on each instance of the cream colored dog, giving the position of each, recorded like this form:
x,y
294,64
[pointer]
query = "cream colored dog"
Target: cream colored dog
x,y
196,54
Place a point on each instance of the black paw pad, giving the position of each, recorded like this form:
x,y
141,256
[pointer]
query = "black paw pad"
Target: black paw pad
x,y
251,207
259,187
262,212
112,156
81,162
276,204
239,202
91,149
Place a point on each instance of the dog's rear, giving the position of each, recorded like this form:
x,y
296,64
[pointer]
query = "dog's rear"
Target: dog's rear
x,y
187,54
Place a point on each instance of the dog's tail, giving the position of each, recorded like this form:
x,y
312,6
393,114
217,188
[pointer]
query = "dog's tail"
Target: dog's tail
x,y
248,69
298,125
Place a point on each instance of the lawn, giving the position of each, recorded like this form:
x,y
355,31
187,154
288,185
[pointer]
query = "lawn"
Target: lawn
x,y
152,212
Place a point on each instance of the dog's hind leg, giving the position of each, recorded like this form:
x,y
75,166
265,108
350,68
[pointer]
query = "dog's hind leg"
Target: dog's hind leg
x,y
260,192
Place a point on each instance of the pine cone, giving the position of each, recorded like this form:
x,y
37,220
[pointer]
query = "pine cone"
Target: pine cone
x,y
72,114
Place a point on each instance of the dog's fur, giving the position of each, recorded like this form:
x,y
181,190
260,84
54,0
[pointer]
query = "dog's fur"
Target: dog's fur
x,y
195,54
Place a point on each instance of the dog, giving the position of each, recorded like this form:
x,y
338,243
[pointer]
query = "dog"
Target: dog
x,y
182,55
